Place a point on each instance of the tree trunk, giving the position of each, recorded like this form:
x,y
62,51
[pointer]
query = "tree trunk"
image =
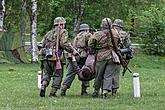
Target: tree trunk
x,y
23,22
34,31
2,12
79,9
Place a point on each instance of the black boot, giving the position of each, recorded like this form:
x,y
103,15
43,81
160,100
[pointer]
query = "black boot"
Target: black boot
x,y
53,92
84,91
63,90
105,94
43,88
42,91
95,93
114,92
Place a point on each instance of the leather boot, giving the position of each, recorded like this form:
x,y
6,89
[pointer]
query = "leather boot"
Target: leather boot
x,y
43,88
84,91
114,92
42,91
53,92
95,93
105,94
63,90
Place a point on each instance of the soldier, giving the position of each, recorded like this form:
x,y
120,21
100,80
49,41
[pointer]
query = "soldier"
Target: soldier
x,y
125,41
124,36
81,45
107,68
49,60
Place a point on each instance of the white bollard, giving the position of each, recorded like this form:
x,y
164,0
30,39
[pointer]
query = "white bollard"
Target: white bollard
x,y
136,84
39,79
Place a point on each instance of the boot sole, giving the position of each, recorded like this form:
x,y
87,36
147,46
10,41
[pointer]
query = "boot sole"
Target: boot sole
x,y
42,93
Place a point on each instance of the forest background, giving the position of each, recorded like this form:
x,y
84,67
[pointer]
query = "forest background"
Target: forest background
x,y
144,19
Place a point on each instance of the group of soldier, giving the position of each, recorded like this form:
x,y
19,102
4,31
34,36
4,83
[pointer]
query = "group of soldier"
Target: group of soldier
x,y
98,44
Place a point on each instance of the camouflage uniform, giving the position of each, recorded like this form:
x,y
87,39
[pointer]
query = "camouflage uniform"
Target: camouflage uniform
x,y
107,72
49,62
80,44
125,42
124,36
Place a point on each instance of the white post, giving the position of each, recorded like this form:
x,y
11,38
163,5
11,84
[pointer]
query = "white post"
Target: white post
x,y
136,85
39,79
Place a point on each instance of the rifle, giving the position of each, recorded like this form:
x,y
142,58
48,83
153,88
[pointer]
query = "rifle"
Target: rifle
x,y
71,46
74,61
58,62
123,61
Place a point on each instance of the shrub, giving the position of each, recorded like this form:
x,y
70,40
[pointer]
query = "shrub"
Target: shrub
x,y
152,27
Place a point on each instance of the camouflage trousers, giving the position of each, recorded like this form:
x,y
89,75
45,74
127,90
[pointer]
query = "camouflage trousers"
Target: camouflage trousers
x,y
51,72
70,76
107,75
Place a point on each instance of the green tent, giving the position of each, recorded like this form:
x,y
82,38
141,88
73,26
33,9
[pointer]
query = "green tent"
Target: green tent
x,y
11,49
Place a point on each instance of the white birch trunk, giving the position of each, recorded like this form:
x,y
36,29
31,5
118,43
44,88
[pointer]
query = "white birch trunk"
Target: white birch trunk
x,y
23,22
79,6
34,31
2,12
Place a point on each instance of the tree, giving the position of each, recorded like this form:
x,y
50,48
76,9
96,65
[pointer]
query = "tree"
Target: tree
x,y
2,11
23,22
34,31
79,10
152,28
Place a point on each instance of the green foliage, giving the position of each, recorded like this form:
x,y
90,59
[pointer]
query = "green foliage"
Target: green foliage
x,y
20,92
152,27
12,15
138,15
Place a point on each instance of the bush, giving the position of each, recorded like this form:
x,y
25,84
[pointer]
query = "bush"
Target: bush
x,y
152,29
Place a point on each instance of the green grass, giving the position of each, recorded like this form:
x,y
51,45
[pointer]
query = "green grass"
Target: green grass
x,y
18,89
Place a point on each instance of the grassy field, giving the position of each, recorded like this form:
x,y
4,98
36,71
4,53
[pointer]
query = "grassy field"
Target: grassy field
x,y
18,89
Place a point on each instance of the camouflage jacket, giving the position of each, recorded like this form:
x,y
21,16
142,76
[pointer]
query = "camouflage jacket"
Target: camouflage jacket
x,y
101,42
81,42
49,42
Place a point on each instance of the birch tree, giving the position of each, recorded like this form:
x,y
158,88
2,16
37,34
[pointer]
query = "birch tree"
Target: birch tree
x,y
79,9
23,21
34,31
2,11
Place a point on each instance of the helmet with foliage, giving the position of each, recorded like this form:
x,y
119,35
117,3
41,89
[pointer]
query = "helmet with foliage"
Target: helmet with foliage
x,y
84,27
118,22
105,22
59,20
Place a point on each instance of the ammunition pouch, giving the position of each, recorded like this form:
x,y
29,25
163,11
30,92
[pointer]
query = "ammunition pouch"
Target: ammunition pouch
x,y
115,57
49,53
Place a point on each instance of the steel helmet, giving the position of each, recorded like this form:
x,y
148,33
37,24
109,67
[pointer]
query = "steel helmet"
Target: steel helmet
x,y
84,27
105,22
118,22
59,20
